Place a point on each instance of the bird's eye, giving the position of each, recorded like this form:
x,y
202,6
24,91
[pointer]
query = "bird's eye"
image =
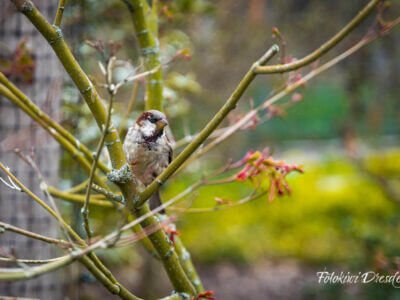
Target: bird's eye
x,y
152,119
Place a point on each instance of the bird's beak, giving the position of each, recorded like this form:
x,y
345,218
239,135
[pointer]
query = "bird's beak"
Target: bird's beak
x,y
161,124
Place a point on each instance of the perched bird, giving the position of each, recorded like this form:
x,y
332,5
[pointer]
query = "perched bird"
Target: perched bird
x,y
148,149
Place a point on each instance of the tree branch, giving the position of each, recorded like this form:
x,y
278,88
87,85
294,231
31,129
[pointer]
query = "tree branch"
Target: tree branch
x,y
31,261
109,195
9,227
76,198
149,50
12,274
228,131
85,208
322,49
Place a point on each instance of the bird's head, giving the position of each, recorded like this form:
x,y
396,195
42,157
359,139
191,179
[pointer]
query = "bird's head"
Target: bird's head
x,y
151,124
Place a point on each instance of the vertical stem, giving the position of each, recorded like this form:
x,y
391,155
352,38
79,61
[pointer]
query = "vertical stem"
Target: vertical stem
x,y
149,50
85,208
60,12
187,265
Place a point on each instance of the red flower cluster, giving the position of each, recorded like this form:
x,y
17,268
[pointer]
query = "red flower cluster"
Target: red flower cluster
x,y
257,163
204,295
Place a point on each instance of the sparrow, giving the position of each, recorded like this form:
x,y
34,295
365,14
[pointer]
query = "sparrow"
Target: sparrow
x,y
148,149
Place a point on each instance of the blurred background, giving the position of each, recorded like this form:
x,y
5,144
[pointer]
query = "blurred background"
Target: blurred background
x,y
343,213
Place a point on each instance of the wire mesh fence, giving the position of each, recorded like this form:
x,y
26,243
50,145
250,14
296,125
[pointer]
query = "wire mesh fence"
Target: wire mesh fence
x,y
17,130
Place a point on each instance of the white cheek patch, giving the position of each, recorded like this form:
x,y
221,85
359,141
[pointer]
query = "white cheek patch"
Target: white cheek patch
x,y
148,128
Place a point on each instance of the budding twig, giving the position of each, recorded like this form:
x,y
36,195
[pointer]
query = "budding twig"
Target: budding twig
x,y
9,227
109,195
112,91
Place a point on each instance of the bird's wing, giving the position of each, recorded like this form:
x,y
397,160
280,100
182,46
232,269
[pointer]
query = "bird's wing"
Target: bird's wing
x,y
170,153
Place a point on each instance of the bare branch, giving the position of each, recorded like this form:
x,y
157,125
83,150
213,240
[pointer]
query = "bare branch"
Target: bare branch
x,y
324,48
5,226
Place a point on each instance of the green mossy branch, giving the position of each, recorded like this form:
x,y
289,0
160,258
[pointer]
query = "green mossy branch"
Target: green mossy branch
x,y
114,288
187,264
35,271
146,30
77,198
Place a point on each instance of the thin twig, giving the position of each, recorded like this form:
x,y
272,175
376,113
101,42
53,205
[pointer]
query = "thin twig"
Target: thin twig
x,y
85,208
251,197
11,184
9,227
44,187
322,49
136,77
41,202
109,195
31,261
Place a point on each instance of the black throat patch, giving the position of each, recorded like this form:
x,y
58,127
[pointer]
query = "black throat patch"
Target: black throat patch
x,y
154,137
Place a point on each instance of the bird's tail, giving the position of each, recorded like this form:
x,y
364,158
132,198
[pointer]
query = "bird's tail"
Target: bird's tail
x,y
155,201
